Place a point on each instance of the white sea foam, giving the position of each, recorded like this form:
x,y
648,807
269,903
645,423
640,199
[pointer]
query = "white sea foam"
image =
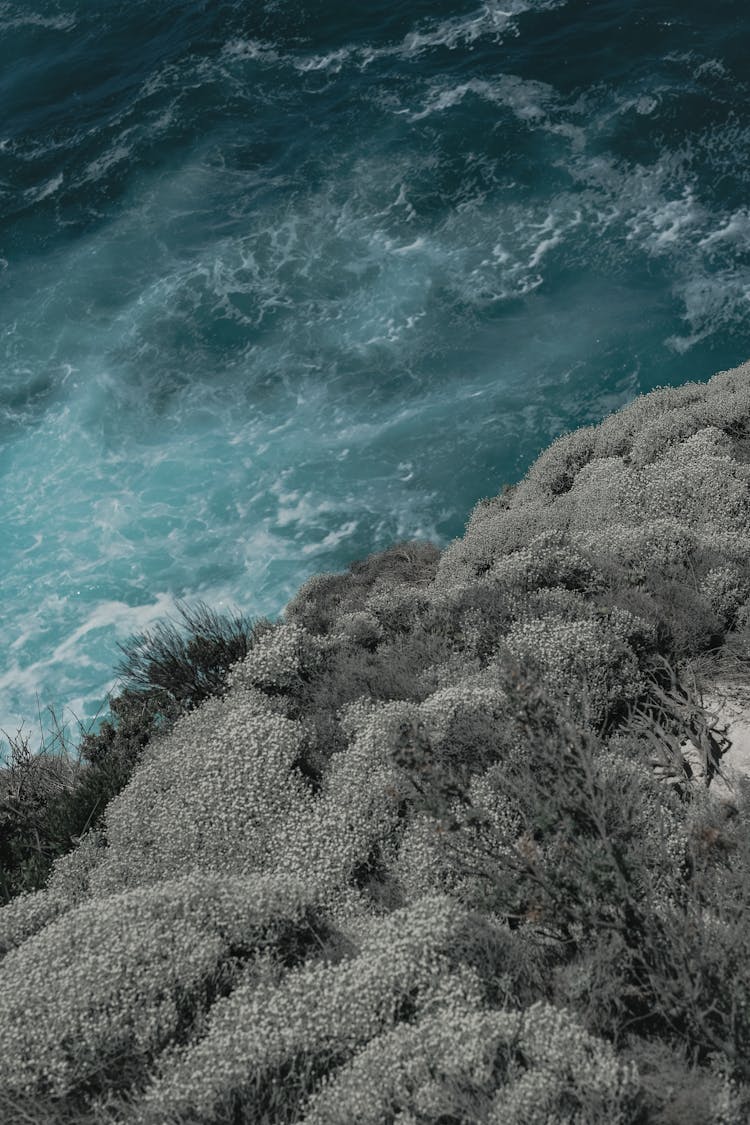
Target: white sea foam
x,y
491,21
251,49
333,61
41,191
735,232
97,168
12,16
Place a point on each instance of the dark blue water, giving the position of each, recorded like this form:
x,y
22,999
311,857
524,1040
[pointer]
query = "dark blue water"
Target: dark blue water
x,y
281,283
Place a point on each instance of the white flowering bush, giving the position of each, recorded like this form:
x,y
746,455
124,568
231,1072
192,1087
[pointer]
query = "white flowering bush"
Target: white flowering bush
x,y
278,660
116,973
727,589
422,866
657,543
616,433
362,627
466,712
315,1011
67,885
26,914
454,1057
396,610
569,652
220,813
557,466
355,813
667,430
566,1075
692,482
548,560
490,536
412,1064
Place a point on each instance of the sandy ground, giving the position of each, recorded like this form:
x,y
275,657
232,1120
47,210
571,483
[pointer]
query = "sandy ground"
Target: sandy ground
x,y
729,706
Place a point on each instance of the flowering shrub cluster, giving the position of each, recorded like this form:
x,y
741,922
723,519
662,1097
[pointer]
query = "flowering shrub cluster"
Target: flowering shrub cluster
x,y
121,973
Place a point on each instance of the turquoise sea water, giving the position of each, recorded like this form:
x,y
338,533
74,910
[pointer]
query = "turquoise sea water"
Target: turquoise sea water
x,y
282,283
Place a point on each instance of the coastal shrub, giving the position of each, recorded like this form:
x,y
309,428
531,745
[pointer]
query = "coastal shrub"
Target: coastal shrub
x,y
658,543
108,761
693,481
280,661
674,1090
686,979
217,814
662,433
644,890
497,533
471,616
265,1044
66,886
397,610
567,651
571,829
449,1063
550,559
487,506
173,675
123,976
48,817
555,469
464,723
615,434
344,837
394,671
324,598
727,589
362,628
30,785
692,624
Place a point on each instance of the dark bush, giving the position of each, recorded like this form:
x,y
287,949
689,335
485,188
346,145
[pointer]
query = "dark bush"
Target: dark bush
x,y
324,598
644,892
191,670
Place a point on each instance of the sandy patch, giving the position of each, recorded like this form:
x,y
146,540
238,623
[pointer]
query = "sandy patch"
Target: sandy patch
x,y
727,708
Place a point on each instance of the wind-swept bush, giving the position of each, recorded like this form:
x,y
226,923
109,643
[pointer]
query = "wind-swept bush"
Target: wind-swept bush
x,y
189,670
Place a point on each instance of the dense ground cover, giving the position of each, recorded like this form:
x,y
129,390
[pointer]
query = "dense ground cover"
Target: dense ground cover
x,y
427,850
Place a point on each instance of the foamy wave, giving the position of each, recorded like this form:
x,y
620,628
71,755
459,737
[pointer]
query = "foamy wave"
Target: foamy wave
x,y
96,169
332,61
10,18
493,20
41,191
524,97
251,49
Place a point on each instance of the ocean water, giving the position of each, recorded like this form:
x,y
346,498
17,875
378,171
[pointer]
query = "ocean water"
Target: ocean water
x,y
284,282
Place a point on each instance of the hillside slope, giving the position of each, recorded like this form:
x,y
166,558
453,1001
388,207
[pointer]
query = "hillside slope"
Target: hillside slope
x,y
419,862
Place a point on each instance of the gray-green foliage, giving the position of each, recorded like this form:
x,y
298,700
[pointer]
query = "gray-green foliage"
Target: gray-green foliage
x,y
410,863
